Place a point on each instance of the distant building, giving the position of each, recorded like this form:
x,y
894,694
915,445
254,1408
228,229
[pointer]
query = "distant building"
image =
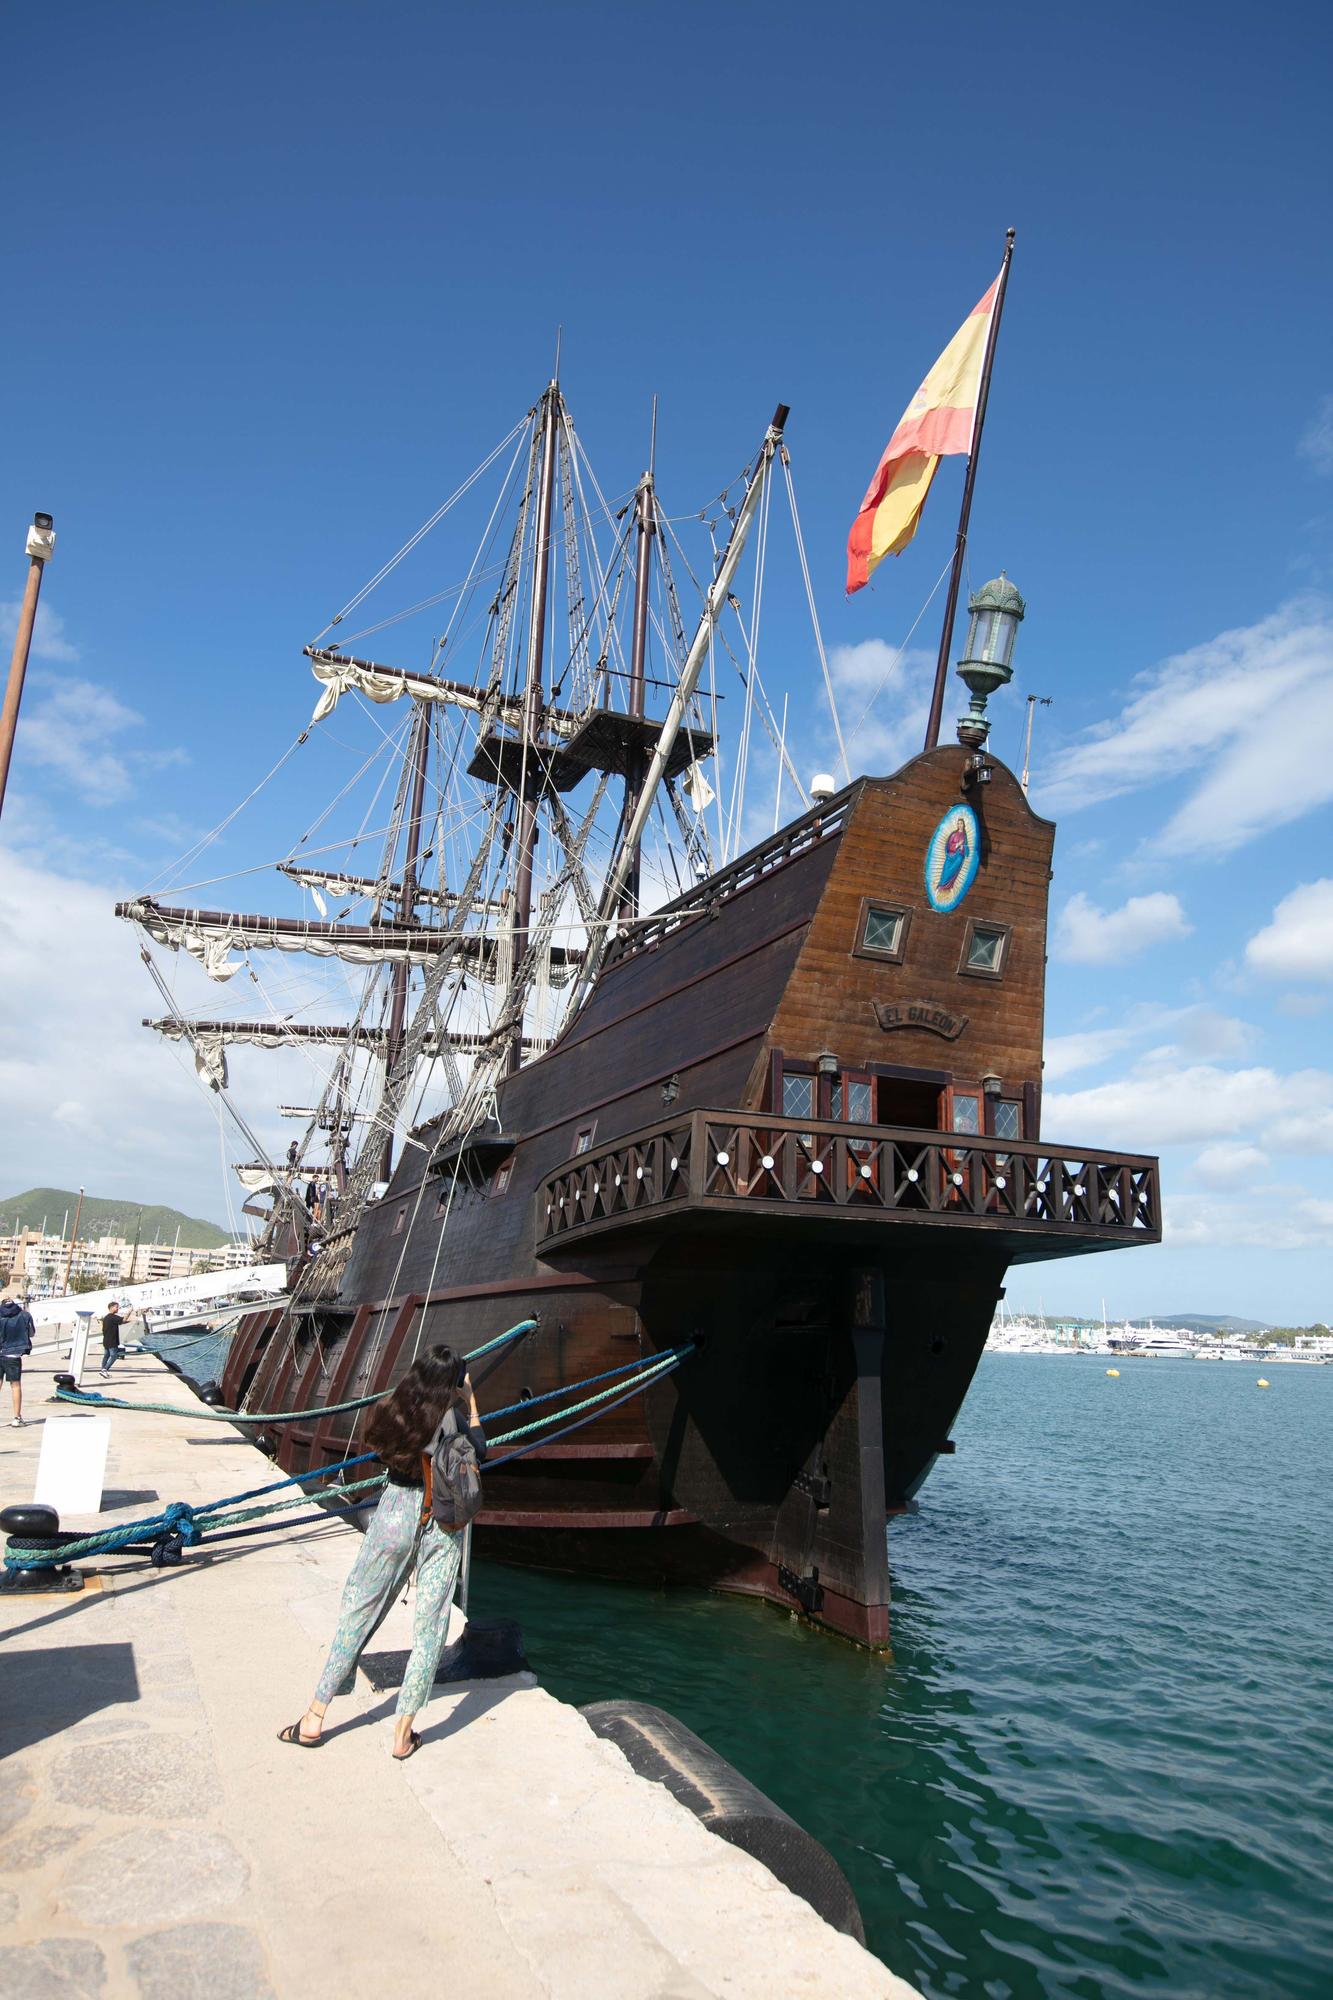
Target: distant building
x,y
38,1263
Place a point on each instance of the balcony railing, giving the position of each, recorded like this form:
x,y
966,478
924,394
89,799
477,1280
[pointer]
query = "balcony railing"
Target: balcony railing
x,y
744,1162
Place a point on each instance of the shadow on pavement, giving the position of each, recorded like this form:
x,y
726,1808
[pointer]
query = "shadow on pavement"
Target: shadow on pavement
x,y
49,1689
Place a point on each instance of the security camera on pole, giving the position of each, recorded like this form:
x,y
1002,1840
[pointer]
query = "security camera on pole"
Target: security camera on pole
x,y
41,541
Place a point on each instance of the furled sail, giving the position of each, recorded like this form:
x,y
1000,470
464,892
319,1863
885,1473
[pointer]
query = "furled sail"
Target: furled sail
x,y
342,674
337,883
277,1034
209,935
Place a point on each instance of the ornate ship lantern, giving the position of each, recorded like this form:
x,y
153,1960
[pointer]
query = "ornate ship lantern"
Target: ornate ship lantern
x,y
997,611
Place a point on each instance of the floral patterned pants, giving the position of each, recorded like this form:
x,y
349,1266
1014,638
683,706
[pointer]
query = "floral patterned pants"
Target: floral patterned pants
x,y
388,1549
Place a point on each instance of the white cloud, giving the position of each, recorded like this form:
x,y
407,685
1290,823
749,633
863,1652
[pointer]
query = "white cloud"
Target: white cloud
x,y
48,632
76,729
1298,943
1087,935
1306,1129
1161,1103
1278,1221
1246,710
1302,1006
1230,1164
87,1093
884,699
1316,442
1202,1034
1196,1033
1065,1055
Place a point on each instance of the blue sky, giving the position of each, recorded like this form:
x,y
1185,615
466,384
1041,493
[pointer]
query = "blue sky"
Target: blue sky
x,y
284,273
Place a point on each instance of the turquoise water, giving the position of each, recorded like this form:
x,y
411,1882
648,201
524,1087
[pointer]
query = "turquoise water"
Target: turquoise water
x,y
1099,1762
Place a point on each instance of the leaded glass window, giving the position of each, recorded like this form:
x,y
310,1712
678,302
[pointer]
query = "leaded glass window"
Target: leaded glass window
x,y
1008,1119
985,951
798,1096
966,1112
859,1099
883,932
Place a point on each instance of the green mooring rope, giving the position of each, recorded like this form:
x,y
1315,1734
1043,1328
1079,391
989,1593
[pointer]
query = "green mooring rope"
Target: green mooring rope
x,y
90,1399
191,1524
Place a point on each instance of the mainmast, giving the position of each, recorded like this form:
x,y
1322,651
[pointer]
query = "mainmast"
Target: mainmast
x,y
407,912
645,507
533,698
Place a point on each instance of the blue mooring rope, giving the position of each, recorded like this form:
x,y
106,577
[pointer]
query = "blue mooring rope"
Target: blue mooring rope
x,y
180,1525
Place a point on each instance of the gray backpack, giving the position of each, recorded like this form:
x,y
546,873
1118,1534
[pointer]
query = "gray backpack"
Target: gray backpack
x,y
453,1478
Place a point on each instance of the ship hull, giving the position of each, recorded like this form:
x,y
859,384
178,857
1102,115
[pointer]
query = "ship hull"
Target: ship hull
x,y
820,1390
831,1248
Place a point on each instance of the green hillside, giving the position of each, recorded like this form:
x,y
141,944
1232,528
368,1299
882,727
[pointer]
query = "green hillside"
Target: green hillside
x,y
1210,1322
107,1218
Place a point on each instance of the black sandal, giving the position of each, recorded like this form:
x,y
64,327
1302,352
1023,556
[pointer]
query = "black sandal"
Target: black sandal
x,y
413,1745
292,1734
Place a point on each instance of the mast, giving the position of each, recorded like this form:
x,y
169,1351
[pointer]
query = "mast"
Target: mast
x,y
407,905
533,693
689,679
74,1237
645,507
965,511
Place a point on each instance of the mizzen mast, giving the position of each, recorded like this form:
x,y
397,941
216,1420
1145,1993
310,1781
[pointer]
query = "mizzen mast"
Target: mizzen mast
x,y
534,698
645,511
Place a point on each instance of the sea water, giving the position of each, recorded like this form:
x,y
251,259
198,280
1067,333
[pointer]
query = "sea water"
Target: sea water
x,y
1098,1762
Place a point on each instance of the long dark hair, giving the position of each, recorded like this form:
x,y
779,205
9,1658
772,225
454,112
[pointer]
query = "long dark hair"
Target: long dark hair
x,y
401,1426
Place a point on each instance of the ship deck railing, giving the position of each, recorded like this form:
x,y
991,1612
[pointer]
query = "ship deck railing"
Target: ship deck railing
x,y
749,1163
823,821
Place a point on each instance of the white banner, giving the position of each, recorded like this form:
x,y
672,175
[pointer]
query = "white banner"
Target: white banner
x,y
197,1290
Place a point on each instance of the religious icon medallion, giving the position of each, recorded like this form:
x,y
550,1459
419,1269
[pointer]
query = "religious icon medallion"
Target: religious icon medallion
x,y
951,858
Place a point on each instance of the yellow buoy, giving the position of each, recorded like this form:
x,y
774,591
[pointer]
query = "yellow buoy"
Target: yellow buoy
x,y
1262,1383
1113,1371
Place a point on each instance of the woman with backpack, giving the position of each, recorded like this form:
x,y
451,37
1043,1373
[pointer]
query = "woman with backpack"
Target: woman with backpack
x,y
429,1436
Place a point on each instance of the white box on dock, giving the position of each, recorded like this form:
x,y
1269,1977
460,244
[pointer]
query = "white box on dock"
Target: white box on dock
x,y
72,1464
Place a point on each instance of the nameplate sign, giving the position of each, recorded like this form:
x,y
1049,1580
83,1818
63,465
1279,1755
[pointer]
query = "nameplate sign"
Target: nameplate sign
x,y
927,1014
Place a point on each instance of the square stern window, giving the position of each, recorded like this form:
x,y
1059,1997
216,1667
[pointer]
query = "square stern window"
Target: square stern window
x,y
882,931
985,949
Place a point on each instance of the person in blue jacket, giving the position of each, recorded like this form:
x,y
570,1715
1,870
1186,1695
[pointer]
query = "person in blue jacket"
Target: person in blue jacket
x,y
15,1341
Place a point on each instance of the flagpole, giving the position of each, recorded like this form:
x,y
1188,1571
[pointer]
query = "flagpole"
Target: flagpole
x,y
960,546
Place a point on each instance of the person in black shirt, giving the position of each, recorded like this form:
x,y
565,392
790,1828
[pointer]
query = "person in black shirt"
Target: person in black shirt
x,y
112,1321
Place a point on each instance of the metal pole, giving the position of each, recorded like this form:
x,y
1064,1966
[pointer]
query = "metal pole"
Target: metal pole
x,y
74,1237
1033,699
960,545
533,698
465,1570
41,541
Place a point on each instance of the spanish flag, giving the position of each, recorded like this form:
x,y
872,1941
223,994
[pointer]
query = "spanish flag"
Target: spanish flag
x,y
938,421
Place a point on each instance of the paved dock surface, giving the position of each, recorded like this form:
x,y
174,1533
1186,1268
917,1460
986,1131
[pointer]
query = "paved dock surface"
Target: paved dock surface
x,y
157,1841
